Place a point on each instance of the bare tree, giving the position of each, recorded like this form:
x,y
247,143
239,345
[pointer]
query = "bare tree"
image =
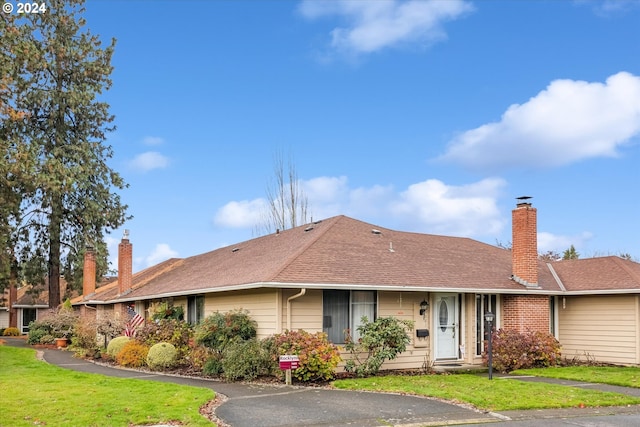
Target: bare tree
x,y
287,204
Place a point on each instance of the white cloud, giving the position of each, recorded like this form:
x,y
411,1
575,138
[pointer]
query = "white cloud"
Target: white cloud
x,y
567,122
161,252
242,214
559,243
466,210
149,160
152,140
378,24
430,206
609,7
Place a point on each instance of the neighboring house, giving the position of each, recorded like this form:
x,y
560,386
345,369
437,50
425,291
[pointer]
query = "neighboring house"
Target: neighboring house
x,y
28,303
326,275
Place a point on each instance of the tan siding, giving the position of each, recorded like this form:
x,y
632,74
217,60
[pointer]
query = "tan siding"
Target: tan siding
x,y
406,306
4,319
306,311
600,327
261,305
181,301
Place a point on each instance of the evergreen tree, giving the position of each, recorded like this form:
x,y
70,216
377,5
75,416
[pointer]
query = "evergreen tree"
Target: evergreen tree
x,y
59,70
570,253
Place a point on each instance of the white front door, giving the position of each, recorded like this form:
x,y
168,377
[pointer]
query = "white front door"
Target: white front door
x,y
446,326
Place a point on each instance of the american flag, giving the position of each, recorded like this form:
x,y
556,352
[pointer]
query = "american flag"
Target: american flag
x,y
135,320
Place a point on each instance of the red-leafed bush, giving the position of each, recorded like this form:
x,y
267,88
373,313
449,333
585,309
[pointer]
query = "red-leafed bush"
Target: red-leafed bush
x,y
318,357
514,350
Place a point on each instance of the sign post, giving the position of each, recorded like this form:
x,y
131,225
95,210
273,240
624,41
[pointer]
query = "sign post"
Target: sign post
x,y
287,363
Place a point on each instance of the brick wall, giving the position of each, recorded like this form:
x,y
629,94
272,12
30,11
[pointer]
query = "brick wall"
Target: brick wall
x,y
525,313
524,249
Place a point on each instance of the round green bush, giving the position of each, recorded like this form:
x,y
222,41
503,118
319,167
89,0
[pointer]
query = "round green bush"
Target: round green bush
x,y
116,345
162,355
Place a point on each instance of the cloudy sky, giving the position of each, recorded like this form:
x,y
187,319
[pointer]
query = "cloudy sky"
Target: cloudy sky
x,y
425,116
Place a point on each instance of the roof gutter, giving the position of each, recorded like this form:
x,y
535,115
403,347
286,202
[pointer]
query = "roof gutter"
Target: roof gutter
x,y
291,298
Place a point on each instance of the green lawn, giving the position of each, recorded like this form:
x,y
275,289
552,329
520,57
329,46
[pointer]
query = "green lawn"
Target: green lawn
x,y
614,375
495,395
36,393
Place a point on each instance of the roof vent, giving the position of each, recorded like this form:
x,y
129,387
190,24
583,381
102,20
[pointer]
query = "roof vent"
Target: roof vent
x,y
308,229
391,247
235,249
317,222
374,231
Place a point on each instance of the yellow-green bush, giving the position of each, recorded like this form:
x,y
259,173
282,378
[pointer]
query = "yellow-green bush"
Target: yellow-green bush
x,y
162,355
133,354
11,332
116,344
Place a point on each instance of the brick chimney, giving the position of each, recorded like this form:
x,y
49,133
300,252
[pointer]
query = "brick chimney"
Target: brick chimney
x,y
524,251
125,264
89,272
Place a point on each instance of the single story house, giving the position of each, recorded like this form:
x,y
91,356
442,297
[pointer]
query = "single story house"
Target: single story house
x,y
326,275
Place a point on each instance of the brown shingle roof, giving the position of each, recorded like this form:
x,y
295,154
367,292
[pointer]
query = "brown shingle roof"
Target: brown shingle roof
x,y
336,252
609,273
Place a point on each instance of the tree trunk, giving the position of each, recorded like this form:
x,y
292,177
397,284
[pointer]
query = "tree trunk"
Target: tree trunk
x,y
54,252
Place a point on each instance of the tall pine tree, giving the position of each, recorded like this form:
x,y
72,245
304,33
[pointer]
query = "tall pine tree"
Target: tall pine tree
x,y
68,192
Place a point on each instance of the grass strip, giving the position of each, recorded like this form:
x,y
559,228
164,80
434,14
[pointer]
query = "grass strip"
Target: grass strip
x,y
490,395
36,393
613,375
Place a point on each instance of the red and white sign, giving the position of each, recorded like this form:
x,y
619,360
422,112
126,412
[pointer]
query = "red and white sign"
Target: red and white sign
x,y
289,361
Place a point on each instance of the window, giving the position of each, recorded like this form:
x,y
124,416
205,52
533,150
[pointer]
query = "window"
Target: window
x,y
484,303
343,310
195,309
28,315
552,315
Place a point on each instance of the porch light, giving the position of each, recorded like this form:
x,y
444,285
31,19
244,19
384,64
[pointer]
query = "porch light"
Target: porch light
x,y
424,306
489,317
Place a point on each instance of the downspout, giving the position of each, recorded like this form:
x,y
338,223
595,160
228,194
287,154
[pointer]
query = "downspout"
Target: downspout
x,y
291,298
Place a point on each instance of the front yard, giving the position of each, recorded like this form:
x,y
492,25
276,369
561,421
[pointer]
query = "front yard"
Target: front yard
x,y
502,394
44,394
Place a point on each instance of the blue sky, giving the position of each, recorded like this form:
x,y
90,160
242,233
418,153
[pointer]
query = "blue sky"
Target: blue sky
x,y
425,116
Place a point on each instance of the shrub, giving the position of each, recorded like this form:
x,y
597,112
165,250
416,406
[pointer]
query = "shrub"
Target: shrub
x,y
47,339
57,323
161,356
318,357
172,331
514,350
62,321
218,329
1,331
11,332
246,360
85,336
109,326
116,345
213,366
198,356
380,340
133,354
